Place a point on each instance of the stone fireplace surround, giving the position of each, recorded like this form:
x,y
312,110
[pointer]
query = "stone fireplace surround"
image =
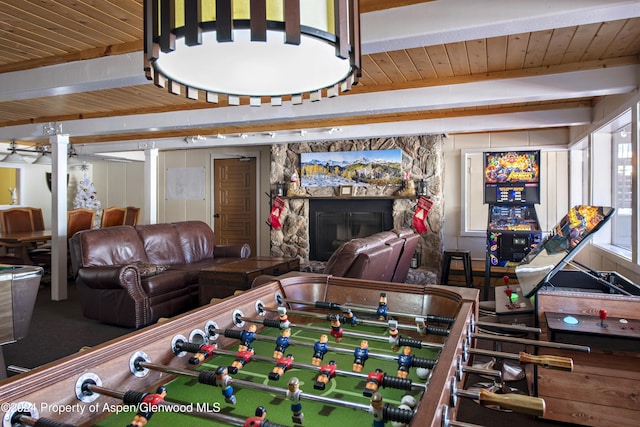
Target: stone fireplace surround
x,y
422,158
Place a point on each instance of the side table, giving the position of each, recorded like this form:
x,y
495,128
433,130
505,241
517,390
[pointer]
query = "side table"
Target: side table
x,y
223,280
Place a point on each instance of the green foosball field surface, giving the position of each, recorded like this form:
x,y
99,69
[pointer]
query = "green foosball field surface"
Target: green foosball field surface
x,y
193,395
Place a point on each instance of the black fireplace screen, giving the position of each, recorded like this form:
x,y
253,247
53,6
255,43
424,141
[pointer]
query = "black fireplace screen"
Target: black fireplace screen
x,y
333,222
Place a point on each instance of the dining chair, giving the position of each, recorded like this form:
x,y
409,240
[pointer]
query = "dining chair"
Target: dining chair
x,y
131,215
38,219
16,220
112,216
79,219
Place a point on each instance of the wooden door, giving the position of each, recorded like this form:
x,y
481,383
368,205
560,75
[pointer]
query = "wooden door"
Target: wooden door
x,y
234,209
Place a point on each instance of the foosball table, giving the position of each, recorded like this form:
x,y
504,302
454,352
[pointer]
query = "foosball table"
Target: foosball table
x,y
308,349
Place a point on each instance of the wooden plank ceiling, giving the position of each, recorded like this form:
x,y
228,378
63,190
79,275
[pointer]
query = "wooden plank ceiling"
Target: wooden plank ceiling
x,y
39,33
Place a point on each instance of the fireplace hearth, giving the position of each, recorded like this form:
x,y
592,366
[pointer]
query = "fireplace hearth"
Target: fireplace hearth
x,y
335,221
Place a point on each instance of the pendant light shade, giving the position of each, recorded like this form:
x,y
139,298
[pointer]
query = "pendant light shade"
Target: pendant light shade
x,y
252,48
13,156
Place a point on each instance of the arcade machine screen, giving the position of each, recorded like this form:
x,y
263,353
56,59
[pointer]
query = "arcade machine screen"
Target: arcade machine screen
x,y
512,187
566,239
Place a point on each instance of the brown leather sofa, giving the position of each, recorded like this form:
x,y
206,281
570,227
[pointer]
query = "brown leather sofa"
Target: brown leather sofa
x,y
384,256
132,276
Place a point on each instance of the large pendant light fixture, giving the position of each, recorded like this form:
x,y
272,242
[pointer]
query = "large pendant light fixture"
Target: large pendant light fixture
x,y
254,49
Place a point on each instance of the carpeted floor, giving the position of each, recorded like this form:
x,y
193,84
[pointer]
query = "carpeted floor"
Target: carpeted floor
x,y
58,329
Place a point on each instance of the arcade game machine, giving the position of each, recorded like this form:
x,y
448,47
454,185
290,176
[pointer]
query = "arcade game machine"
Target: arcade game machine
x,y
575,304
511,189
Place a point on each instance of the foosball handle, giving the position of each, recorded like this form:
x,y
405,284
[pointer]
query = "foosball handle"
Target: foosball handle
x,y
516,402
551,362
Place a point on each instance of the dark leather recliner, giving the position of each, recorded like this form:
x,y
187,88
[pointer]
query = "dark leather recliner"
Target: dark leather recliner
x,y
132,276
375,257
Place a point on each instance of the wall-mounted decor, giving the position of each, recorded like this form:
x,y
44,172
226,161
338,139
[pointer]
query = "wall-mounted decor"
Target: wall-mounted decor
x,y
357,168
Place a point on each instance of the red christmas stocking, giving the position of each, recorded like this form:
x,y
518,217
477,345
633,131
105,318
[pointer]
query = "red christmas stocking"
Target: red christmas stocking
x,y
276,213
421,213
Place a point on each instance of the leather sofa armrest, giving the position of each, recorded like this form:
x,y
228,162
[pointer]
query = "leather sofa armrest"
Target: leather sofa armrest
x,y
110,277
232,251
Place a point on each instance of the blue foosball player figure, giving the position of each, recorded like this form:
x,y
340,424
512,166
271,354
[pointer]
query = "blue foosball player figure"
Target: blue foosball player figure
x,y
382,307
293,394
327,371
349,317
360,355
282,342
404,362
320,348
148,406
222,381
247,337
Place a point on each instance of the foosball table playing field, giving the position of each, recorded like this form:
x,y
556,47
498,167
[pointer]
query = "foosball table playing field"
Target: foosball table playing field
x,y
303,350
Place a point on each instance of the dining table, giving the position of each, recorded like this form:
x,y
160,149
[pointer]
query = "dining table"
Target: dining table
x,y
23,241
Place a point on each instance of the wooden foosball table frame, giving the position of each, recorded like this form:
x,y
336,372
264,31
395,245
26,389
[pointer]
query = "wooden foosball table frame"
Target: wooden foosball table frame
x,y
54,383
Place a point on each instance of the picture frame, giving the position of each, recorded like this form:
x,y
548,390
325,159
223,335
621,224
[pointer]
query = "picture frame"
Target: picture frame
x,y
346,191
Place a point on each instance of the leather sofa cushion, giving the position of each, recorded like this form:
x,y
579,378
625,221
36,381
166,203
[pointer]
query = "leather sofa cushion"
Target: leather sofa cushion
x,y
197,240
111,246
164,284
161,243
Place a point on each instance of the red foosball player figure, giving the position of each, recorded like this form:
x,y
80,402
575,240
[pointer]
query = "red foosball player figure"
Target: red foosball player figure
x,y
360,355
284,319
394,335
327,371
282,342
206,351
374,380
242,358
222,381
320,348
336,328
282,365
404,362
382,307
148,406
377,410
257,420
247,337
293,394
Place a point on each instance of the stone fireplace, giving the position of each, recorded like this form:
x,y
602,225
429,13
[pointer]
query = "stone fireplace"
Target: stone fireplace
x,y
422,159
335,221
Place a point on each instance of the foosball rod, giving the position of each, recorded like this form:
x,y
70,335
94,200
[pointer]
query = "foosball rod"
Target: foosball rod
x,y
403,384
135,397
433,330
516,402
363,309
536,343
275,323
233,333
551,362
19,419
448,422
209,378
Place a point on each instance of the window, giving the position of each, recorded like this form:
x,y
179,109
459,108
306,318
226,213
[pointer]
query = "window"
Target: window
x,y
621,180
612,167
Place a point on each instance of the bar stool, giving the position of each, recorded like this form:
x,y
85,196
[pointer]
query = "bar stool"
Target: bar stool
x,y
459,254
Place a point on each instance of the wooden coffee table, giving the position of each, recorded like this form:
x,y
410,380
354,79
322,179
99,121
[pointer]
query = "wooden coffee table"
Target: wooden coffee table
x,y
223,280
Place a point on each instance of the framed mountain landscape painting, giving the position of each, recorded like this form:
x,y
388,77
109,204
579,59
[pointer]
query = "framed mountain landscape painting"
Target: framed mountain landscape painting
x,y
355,168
